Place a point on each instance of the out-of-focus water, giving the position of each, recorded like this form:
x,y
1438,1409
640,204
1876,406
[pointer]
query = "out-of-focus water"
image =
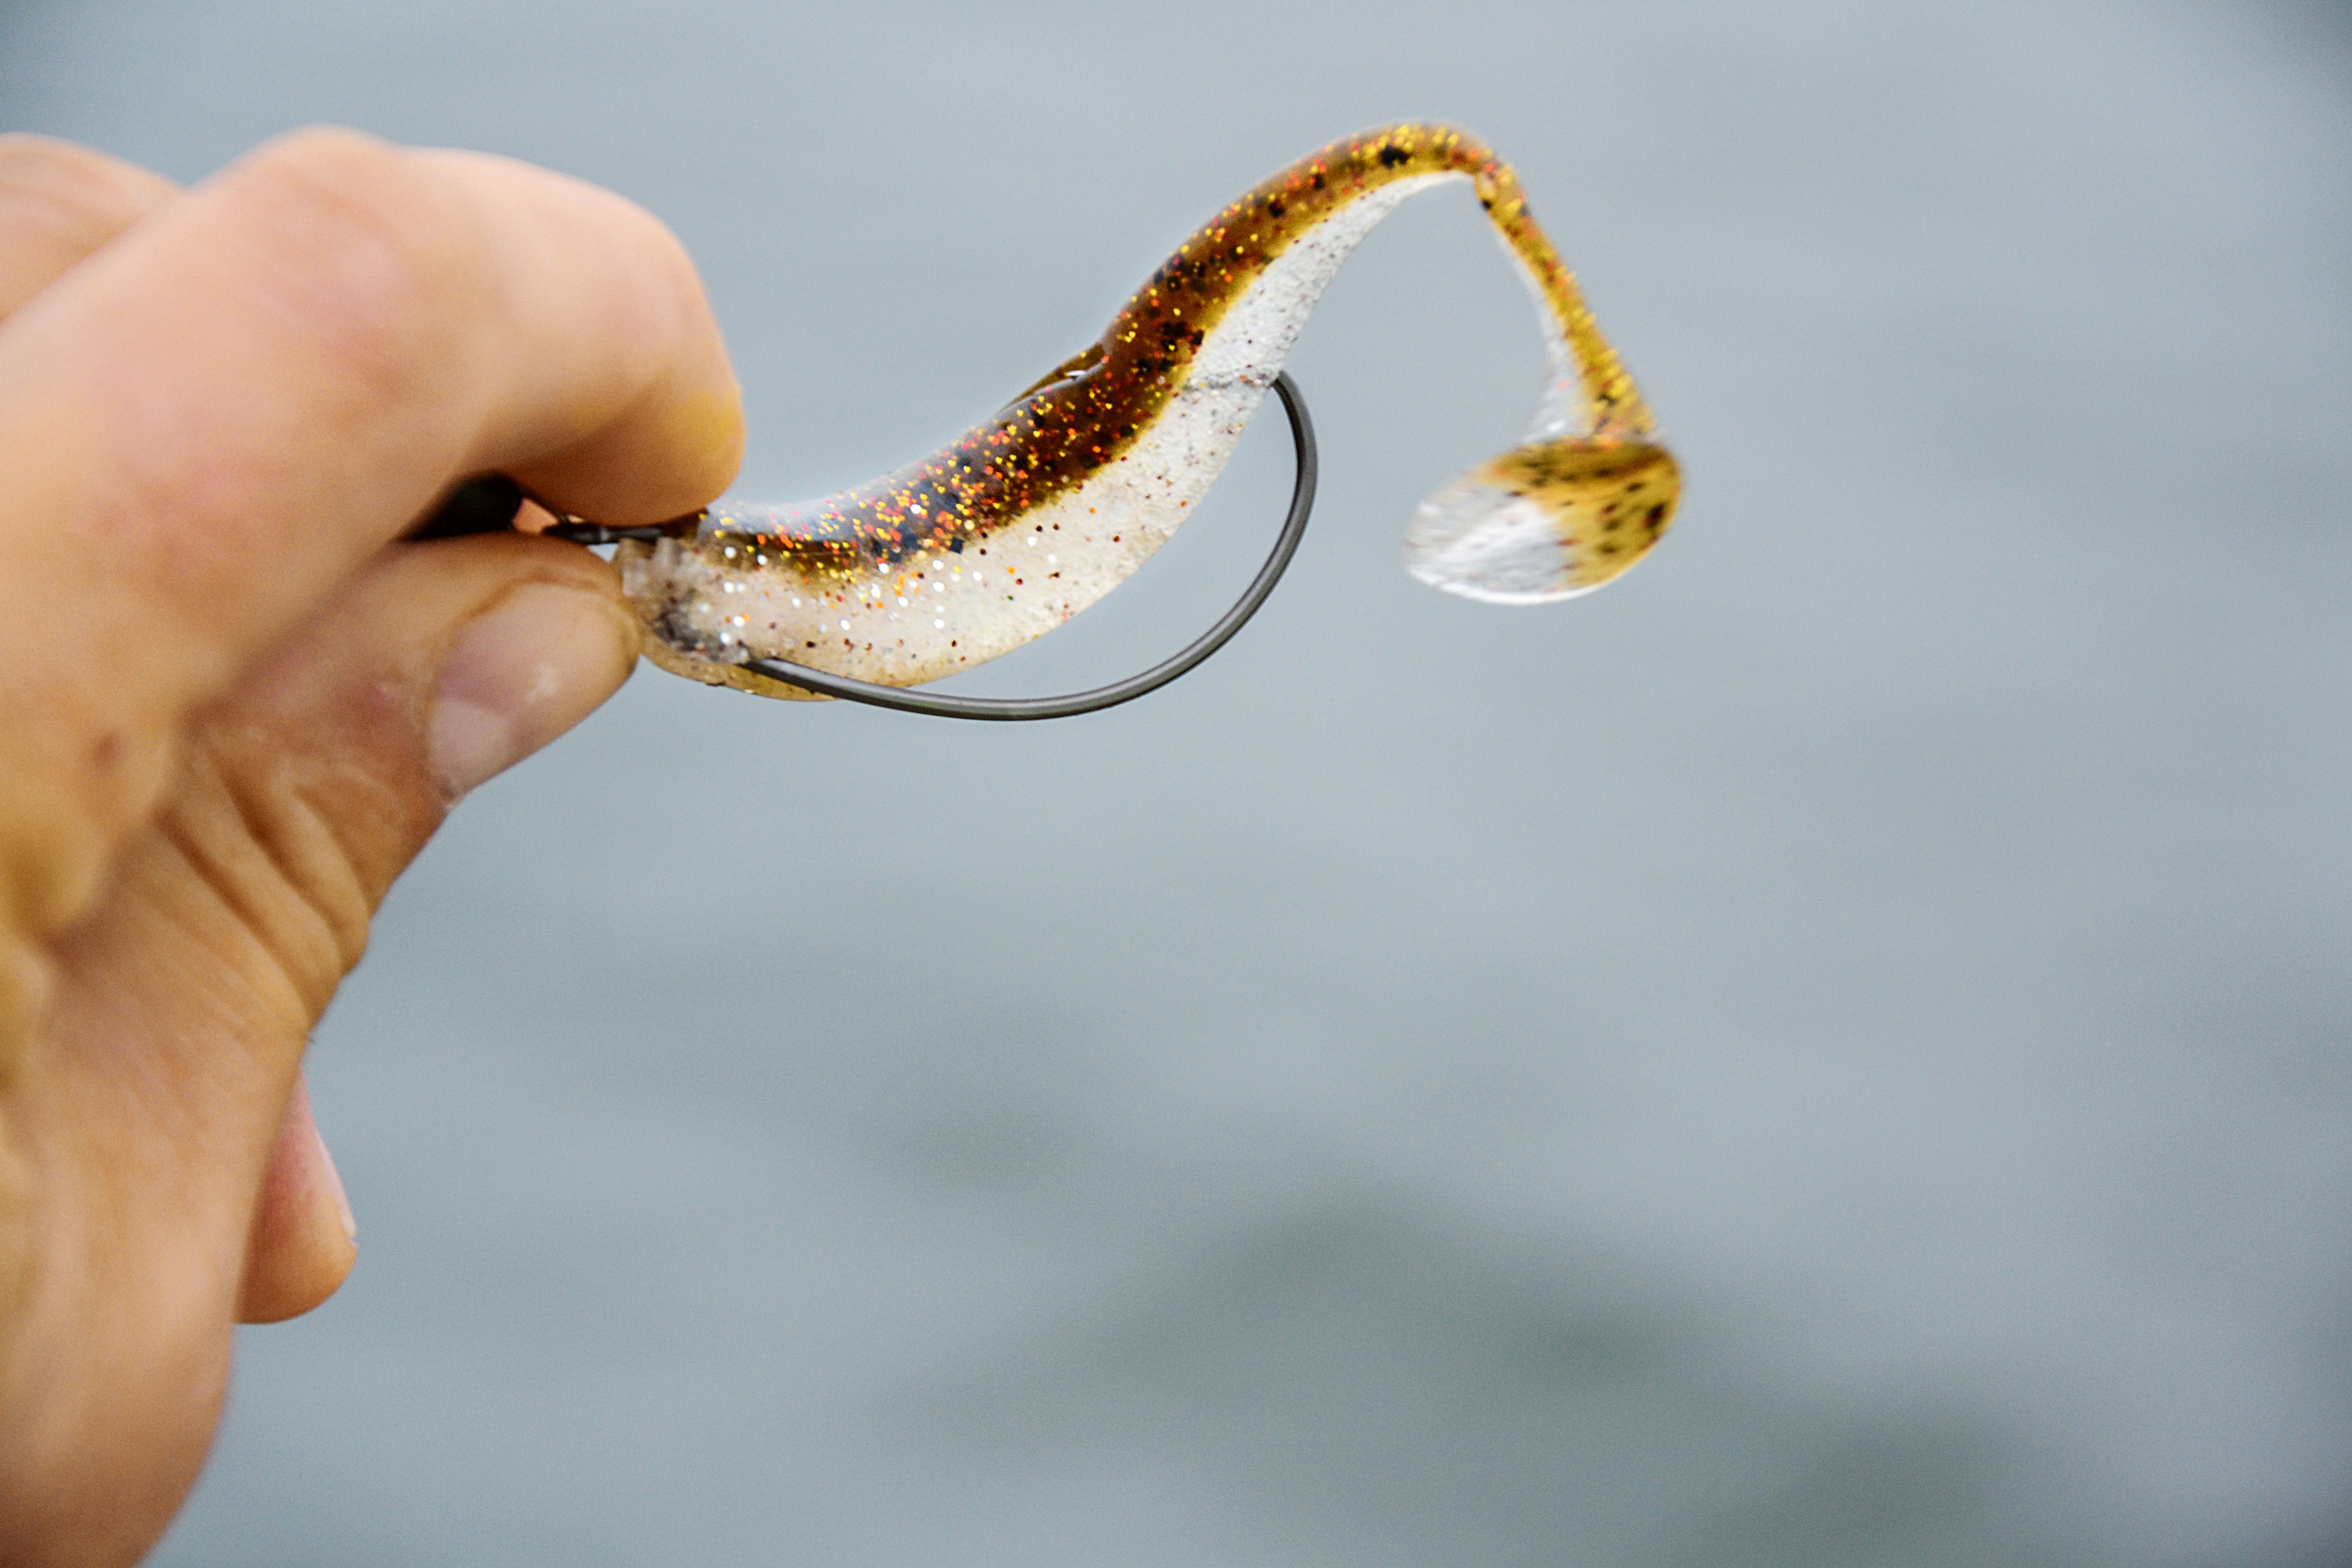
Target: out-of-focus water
x,y
1837,1051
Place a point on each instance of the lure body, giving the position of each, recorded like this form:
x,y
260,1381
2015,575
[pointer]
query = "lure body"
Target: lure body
x,y
1041,509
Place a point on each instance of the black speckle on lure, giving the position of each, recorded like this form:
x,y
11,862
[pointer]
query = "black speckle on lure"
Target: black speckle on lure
x,y
1041,509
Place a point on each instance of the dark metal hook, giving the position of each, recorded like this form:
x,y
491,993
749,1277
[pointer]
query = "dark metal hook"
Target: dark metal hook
x,y
488,504
476,507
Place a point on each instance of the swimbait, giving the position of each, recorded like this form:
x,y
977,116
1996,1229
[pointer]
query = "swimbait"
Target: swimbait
x,y
1043,508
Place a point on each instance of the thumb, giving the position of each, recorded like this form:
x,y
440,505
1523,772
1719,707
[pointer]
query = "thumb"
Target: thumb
x,y
496,647
437,667
152,1096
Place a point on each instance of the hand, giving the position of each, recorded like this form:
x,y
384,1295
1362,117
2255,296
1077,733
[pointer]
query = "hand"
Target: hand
x,y
232,710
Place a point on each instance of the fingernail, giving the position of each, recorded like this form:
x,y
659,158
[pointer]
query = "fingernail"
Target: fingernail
x,y
531,666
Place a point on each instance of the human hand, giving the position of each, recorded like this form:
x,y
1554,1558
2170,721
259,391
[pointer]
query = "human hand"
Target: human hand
x,y
232,708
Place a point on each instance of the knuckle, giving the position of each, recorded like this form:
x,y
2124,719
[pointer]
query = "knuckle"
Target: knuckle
x,y
375,260
278,871
61,188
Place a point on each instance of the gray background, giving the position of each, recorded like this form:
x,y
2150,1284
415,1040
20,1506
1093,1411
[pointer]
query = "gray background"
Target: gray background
x,y
1831,1052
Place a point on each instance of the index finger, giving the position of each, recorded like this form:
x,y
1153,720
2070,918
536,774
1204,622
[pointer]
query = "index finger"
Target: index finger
x,y
210,424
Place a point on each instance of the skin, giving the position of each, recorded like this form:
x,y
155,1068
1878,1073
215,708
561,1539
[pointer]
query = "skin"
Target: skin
x,y
236,708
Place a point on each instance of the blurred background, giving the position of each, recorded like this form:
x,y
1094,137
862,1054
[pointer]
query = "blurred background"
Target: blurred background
x,y
1837,1051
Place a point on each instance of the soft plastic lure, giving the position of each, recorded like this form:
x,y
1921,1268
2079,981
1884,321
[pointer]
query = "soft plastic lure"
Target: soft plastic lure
x,y
1040,511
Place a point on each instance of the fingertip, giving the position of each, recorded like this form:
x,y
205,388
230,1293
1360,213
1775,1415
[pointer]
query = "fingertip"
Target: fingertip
x,y
675,440
304,1240
525,669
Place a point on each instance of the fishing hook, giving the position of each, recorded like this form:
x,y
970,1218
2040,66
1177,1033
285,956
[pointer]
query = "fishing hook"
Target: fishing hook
x,y
488,505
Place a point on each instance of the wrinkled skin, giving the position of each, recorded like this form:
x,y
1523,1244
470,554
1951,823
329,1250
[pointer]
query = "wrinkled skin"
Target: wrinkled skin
x,y
233,709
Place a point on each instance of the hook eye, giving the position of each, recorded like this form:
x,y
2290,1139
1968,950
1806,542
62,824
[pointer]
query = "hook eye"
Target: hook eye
x,y
488,503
